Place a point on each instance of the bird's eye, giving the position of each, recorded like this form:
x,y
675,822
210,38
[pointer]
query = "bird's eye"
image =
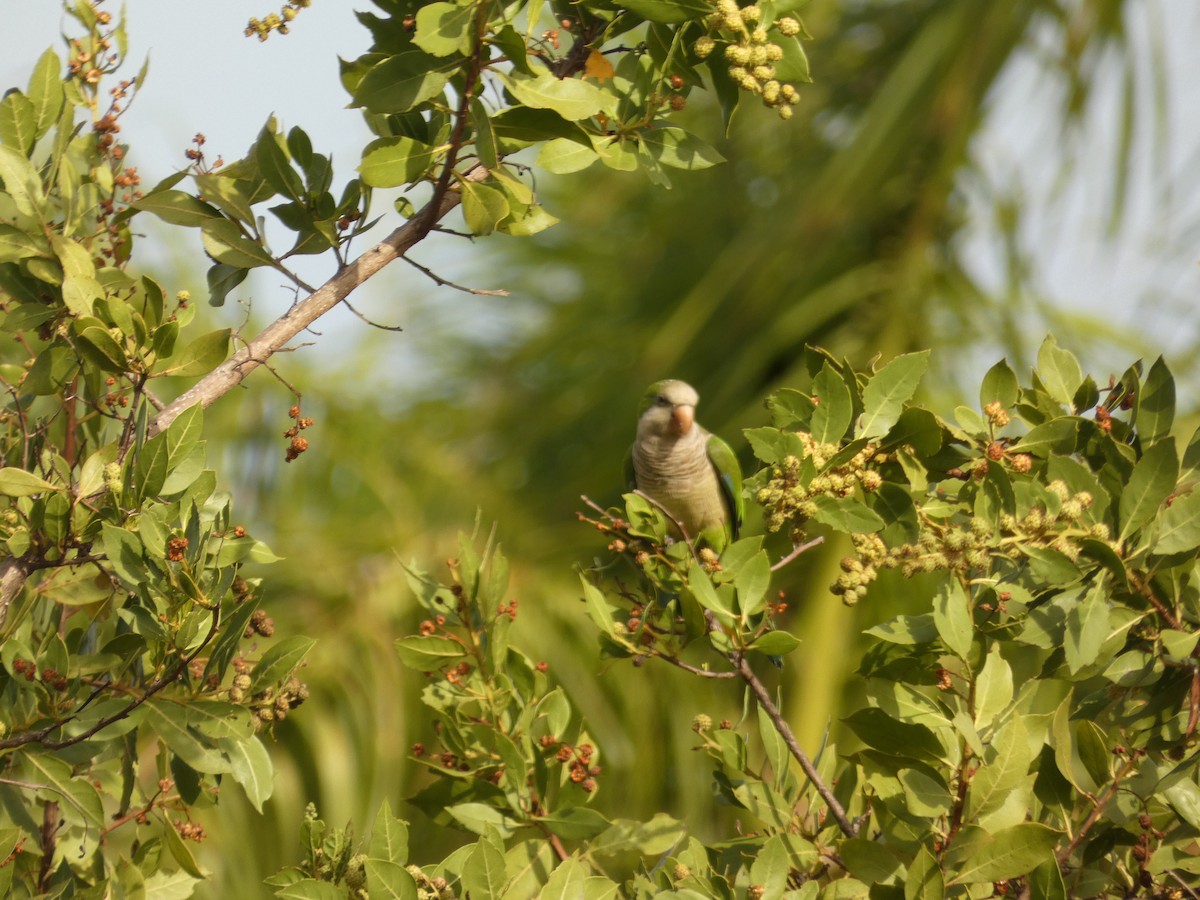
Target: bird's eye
x,y
661,400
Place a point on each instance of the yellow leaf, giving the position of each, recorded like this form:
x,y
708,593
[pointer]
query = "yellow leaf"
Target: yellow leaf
x,y
598,67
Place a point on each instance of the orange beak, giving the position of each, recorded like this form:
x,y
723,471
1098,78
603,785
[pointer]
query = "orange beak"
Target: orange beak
x,y
682,418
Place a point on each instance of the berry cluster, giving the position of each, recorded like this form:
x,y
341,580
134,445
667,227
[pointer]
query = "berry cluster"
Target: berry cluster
x,y
972,544
791,497
430,888
297,444
750,51
262,28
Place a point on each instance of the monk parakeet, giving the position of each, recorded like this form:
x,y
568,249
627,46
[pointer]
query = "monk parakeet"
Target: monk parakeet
x,y
692,473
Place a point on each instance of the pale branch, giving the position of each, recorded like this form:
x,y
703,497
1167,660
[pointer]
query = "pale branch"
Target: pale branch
x,y
796,551
789,738
695,670
13,572
275,336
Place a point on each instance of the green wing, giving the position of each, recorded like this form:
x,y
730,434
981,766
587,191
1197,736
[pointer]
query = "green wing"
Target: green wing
x,y
729,474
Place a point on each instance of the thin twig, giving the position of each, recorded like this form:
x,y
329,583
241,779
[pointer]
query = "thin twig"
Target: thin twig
x,y
796,551
1183,884
438,279
1094,816
785,732
695,670
369,321
1144,588
49,841
38,736
674,521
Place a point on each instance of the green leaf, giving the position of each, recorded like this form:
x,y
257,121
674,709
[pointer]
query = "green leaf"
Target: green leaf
x,y
224,242
715,600
771,866
428,654
79,801
404,81
907,629
575,823
925,793
18,122
177,208
389,880
280,661
1150,484
16,482
674,147
952,616
124,552
869,861
389,837
776,643
571,98
1087,628
102,350
46,91
233,195
1045,881
924,881
484,207
395,161
1184,797
485,136
888,390
169,721
1056,436
1000,385
311,889
976,856
150,472
993,688
274,165
201,356
566,881
878,730
1059,371
222,279
752,581
16,244
562,156
79,286
21,182
251,767
1179,525
183,435
532,221
446,28
1156,404
847,515
1000,787
834,407
669,12
651,838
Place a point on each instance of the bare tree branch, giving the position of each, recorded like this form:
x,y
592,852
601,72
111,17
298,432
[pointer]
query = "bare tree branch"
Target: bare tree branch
x,y
275,336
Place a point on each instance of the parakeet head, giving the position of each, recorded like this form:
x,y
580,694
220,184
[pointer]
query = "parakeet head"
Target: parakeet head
x,y
668,407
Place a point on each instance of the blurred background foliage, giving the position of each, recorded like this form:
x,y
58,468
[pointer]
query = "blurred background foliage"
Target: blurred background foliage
x,y
842,228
